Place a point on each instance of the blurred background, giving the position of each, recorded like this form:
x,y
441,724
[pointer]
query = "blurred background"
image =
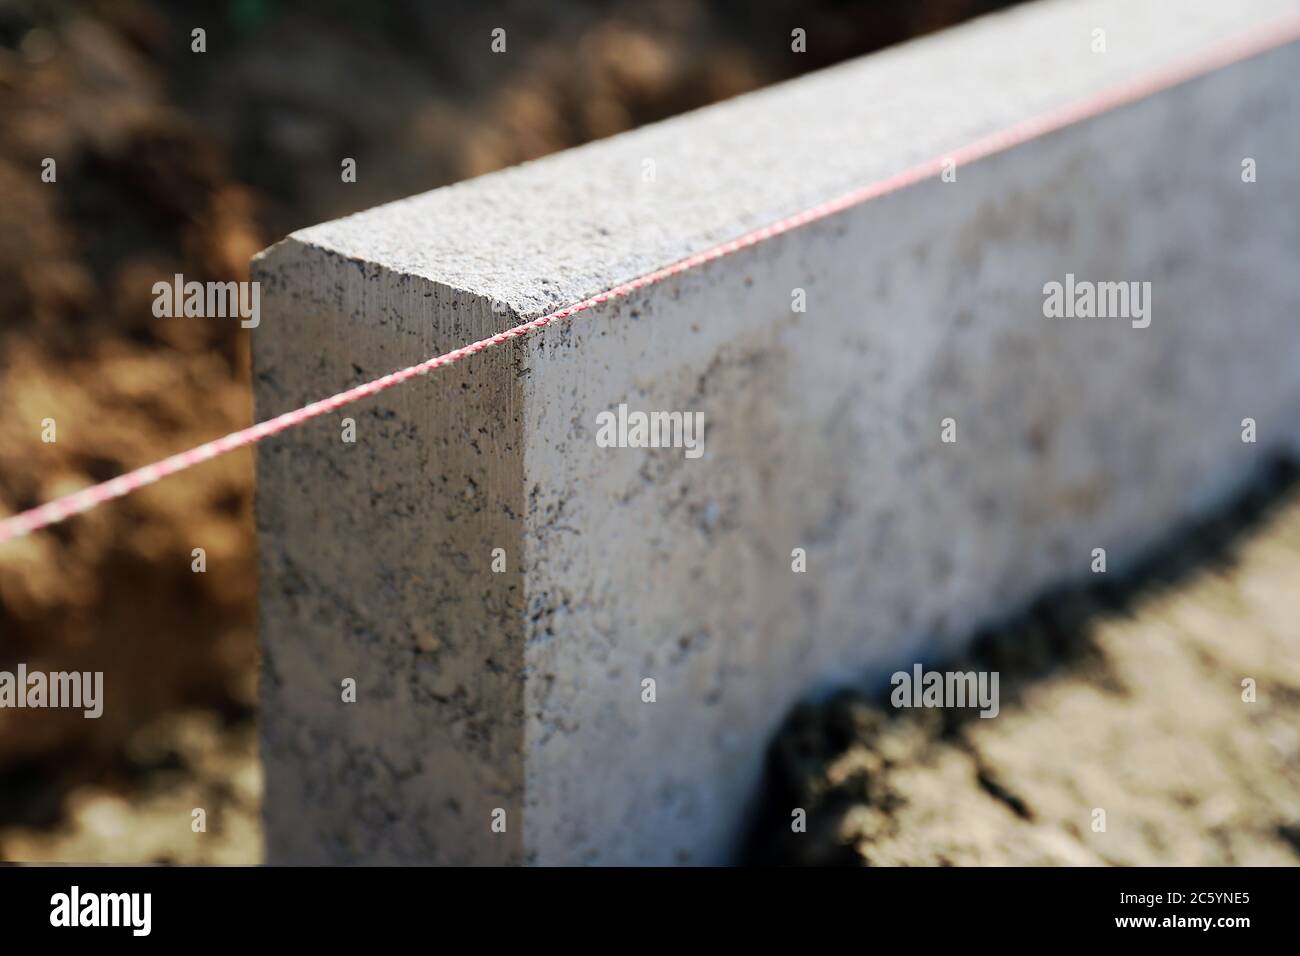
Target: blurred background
x,y
170,161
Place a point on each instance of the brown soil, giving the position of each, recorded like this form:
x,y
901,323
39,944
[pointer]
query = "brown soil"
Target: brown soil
x,y
1125,697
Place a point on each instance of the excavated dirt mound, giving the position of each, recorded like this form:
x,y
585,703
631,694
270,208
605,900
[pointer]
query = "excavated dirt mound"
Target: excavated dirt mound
x,y
140,192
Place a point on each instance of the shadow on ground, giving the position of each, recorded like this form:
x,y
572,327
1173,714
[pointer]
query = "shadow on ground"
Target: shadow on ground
x,y
1126,734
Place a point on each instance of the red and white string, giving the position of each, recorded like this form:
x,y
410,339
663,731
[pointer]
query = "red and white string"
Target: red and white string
x,y
1278,32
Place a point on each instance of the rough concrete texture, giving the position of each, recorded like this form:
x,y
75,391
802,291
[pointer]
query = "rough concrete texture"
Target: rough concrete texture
x,y
522,690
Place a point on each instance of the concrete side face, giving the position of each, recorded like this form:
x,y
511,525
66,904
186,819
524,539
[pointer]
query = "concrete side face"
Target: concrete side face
x,y
376,565
823,432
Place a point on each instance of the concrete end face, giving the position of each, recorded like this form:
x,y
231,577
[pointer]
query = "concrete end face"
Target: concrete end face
x,y
501,587
375,569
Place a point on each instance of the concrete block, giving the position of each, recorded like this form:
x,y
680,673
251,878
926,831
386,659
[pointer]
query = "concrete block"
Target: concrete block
x,y
522,691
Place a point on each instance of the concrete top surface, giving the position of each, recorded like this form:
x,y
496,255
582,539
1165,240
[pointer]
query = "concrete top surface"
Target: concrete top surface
x,y
542,235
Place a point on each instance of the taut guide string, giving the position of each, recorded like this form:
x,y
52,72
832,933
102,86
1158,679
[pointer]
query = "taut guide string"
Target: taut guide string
x,y
1276,33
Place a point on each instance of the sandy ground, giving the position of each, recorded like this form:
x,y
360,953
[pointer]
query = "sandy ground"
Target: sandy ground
x,y
1125,697
182,763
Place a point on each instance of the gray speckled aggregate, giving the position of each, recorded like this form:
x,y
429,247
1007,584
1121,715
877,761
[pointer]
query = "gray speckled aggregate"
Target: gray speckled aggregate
x,y
522,690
